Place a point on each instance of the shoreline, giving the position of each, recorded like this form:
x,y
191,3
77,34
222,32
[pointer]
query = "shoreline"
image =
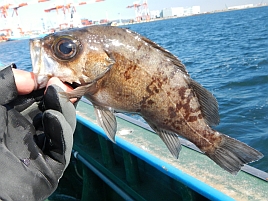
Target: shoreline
x,y
205,13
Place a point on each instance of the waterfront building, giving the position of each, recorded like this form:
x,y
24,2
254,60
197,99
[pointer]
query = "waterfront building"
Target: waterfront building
x,y
240,7
194,10
179,11
170,12
155,14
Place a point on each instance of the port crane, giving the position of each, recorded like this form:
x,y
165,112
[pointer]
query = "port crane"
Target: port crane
x,y
9,23
68,7
6,5
141,10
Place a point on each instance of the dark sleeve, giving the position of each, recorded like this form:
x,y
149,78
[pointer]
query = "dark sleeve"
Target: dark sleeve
x,y
8,89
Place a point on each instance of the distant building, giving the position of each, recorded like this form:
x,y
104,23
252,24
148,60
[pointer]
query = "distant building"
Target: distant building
x,y
240,7
155,14
194,10
170,12
179,11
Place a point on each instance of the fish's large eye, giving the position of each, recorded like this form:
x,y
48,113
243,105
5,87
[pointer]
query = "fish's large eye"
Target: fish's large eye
x,y
65,48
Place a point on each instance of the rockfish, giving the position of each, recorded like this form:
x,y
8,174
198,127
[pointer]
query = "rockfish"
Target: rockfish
x,y
119,70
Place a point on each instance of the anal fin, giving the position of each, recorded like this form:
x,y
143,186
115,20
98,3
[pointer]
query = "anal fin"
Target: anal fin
x,y
107,120
170,139
172,142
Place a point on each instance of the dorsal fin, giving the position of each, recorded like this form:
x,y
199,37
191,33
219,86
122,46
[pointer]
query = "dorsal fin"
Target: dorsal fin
x,y
173,58
166,53
208,103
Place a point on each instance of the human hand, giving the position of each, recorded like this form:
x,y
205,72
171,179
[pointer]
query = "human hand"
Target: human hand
x,y
25,82
35,140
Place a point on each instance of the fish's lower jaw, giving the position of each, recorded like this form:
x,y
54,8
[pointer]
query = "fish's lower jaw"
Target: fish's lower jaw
x,y
232,154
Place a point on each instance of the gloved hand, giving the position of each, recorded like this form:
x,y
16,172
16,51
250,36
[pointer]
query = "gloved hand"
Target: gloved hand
x,y
36,137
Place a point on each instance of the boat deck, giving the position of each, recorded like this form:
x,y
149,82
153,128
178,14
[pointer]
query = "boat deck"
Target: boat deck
x,y
142,168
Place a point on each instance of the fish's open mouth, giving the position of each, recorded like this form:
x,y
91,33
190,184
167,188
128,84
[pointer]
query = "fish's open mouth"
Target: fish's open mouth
x,y
73,85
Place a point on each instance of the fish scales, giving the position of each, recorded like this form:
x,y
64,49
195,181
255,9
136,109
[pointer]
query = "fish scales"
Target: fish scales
x,y
119,70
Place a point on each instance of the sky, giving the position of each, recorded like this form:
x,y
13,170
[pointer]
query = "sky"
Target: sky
x,y
115,9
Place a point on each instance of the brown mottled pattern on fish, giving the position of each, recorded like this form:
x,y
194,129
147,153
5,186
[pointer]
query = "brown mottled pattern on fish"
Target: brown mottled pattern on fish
x,y
120,70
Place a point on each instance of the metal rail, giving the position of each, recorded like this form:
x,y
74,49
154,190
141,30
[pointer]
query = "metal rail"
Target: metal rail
x,y
110,183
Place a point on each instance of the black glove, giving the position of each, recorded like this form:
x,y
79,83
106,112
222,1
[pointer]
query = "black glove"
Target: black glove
x,y
36,137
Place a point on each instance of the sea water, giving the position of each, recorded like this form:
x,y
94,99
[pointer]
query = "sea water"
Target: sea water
x,y
226,52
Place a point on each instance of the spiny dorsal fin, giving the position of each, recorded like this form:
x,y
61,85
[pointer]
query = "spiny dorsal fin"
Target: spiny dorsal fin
x,y
173,58
107,120
208,103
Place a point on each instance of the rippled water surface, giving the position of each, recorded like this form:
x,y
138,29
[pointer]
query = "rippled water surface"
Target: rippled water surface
x,y
225,52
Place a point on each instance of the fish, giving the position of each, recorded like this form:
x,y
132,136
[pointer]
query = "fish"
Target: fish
x,y
119,70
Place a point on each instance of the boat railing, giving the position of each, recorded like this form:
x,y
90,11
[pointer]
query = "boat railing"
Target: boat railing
x,y
140,167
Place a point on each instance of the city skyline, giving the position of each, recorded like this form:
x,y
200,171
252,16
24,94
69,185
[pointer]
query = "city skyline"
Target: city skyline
x,y
117,9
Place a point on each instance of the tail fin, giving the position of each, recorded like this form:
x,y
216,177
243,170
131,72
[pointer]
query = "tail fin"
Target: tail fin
x,y
232,154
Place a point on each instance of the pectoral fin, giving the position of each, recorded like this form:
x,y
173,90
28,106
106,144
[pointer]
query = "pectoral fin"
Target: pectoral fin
x,y
80,91
107,120
171,140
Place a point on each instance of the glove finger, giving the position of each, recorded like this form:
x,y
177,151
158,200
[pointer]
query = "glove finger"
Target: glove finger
x,y
22,102
3,122
8,86
19,136
59,136
56,100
